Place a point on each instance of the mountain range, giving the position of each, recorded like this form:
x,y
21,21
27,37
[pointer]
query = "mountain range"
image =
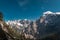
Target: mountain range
x,y
47,24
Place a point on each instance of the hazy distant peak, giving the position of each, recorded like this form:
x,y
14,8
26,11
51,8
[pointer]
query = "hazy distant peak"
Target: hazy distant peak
x,y
25,19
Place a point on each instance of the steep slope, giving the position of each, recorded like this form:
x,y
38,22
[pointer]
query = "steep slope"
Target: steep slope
x,y
48,23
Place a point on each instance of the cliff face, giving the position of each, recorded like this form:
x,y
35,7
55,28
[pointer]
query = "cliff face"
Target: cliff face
x,y
48,24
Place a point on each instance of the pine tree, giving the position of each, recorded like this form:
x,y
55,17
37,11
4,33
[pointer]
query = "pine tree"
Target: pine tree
x,y
2,33
1,16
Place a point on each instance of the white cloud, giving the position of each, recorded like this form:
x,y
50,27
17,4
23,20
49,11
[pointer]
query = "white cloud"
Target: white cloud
x,y
22,3
58,13
49,12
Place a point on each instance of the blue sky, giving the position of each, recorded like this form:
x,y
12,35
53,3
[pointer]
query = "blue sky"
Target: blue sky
x,y
29,9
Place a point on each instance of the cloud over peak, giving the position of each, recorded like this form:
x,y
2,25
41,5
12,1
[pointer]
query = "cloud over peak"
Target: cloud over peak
x,y
49,12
